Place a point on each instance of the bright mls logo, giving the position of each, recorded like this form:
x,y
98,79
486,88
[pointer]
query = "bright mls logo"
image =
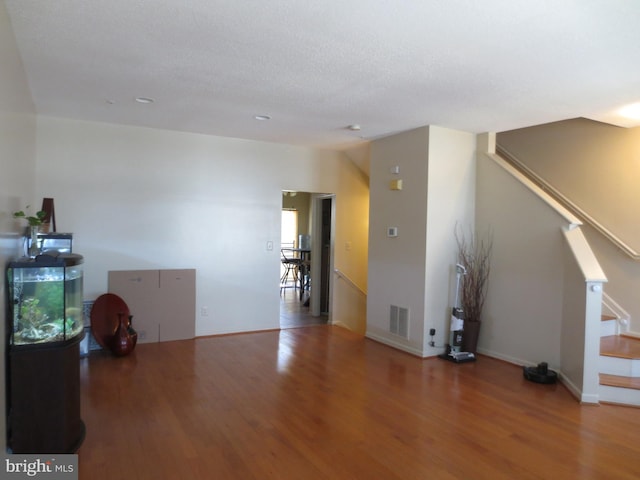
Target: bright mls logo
x,y
52,467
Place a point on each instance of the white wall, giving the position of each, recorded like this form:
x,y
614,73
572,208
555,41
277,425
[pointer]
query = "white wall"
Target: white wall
x,y
414,269
140,198
17,166
451,205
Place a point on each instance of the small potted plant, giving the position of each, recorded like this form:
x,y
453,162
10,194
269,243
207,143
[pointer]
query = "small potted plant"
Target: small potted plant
x,y
35,221
474,254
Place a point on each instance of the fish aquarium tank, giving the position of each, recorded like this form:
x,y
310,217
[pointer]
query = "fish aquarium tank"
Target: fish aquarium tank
x,y
45,298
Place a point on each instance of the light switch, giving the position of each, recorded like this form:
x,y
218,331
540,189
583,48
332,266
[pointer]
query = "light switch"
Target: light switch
x,y
392,232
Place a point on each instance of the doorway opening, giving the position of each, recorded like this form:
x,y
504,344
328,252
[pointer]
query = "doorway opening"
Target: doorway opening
x,y
306,238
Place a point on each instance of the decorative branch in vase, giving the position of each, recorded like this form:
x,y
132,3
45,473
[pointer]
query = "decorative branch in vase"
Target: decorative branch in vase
x,y
474,253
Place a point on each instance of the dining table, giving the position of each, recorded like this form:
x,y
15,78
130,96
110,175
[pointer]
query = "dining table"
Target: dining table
x,y
304,267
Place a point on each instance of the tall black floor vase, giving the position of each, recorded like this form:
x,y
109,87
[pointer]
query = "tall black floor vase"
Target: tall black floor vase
x,y
470,336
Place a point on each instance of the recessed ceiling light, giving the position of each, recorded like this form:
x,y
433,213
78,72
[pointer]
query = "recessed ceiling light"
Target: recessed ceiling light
x,y
354,127
144,100
262,117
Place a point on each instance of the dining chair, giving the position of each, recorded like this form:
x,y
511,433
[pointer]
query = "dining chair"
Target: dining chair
x,y
291,267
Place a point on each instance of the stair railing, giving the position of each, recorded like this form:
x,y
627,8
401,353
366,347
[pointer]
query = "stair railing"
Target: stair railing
x,y
611,307
349,282
544,185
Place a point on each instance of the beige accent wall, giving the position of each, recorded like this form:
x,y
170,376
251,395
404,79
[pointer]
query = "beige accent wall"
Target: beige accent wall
x,y
416,269
17,167
522,319
597,166
545,288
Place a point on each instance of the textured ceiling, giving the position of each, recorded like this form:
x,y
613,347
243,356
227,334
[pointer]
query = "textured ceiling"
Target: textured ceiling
x,y
316,67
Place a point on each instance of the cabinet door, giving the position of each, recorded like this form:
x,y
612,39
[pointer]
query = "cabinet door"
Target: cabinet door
x,y
178,294
140,291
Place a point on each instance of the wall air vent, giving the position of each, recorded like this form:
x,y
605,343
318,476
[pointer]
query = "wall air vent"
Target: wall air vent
x,y
399,321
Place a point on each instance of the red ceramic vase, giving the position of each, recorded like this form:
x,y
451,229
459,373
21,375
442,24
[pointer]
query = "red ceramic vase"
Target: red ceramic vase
x,y
122,343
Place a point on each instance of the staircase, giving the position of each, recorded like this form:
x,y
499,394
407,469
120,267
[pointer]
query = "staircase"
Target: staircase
x,y
619,365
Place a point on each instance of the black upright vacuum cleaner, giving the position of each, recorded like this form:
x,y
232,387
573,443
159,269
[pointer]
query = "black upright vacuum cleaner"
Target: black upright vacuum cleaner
x,y
456,330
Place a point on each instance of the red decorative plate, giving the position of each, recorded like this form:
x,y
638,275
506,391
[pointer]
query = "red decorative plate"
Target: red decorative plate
x,y
105,317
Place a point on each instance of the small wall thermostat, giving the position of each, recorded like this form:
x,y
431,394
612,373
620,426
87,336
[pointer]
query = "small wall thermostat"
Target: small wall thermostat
x,y
395,184
392,232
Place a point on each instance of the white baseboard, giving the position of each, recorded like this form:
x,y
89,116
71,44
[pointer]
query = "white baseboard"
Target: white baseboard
x,y
573,389
392,343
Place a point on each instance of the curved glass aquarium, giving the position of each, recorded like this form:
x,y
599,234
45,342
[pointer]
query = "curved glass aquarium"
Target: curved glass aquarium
x,y
45,296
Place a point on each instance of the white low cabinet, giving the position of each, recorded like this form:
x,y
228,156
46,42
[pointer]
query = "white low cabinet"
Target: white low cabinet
x,y
162,302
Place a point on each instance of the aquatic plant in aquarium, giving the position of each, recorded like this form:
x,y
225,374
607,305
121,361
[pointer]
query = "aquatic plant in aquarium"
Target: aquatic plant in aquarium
x,y
46,295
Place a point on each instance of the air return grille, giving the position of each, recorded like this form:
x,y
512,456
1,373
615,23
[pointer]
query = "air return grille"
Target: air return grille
x,y
399,321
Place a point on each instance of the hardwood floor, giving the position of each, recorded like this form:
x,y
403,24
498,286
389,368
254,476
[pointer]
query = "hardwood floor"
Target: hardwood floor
x,y
324,403
294,313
